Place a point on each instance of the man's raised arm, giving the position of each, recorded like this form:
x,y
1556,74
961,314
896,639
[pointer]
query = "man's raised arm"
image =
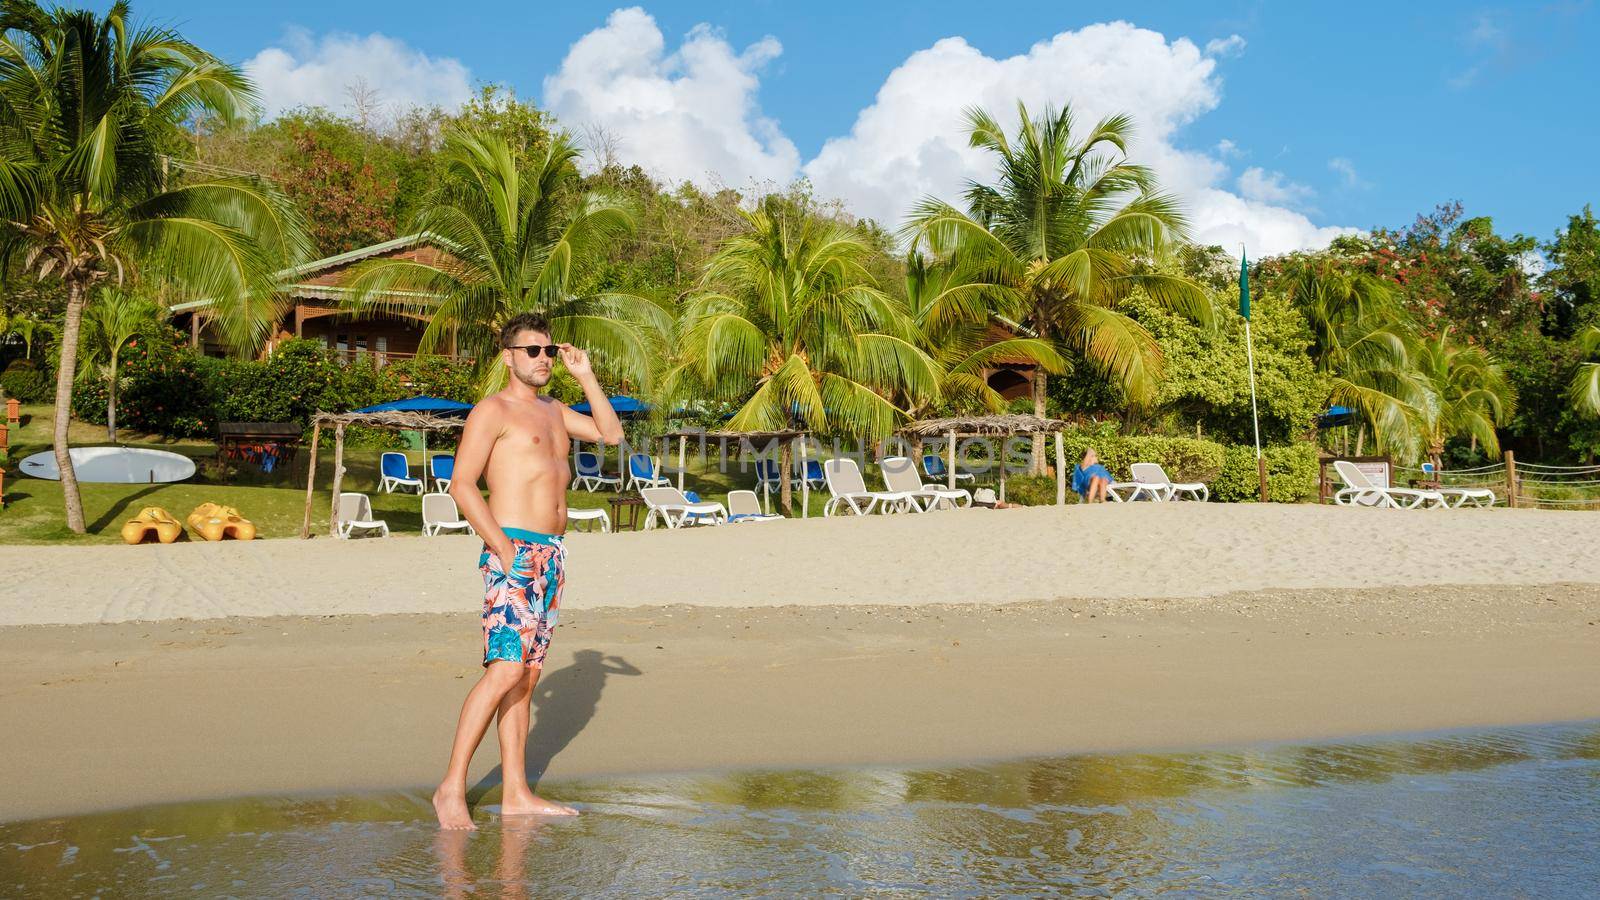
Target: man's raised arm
x,y
472,454
602,423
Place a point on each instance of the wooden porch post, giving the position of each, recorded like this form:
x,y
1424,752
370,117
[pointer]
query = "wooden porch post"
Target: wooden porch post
x,y
338,477
311,480
194,329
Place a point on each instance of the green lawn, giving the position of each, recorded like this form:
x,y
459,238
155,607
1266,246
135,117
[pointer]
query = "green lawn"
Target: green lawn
x,y
34,514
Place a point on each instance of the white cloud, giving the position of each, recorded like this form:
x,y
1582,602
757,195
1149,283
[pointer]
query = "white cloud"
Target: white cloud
x,y
1257,183
1232,45
686,115
693,113
909,143
1348,175
304,70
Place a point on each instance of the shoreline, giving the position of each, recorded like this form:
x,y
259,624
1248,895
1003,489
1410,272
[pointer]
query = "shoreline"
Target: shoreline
x,y
198,710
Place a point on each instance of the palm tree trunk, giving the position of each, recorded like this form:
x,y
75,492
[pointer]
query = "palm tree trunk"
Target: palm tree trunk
x,y
111,403
63,411
1038,410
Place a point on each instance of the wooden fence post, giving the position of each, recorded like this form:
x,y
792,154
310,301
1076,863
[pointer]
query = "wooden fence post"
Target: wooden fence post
x,y
1511,479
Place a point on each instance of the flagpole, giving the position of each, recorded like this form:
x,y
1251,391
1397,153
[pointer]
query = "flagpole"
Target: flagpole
x,y
1250,357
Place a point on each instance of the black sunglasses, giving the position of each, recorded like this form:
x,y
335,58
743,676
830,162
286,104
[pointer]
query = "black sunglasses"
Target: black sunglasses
x,y
533,350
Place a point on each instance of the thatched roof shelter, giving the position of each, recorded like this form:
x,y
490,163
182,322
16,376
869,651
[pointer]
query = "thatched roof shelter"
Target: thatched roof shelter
x,y
399,420
1001,426
988,426
393,419
786,439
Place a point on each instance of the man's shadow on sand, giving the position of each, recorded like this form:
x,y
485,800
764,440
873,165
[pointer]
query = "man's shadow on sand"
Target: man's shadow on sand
x,y
564,702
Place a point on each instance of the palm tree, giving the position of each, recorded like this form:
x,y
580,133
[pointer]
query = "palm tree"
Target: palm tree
x,y
1470,395
86,104
789,327
1062,236
1362,341
30,331
112,321
952,317
1584,390
521,235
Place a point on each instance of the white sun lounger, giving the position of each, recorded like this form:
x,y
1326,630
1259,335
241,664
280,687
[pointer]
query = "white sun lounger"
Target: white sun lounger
x,y
1155,480
1360,491
745,506
355,514
590,473
675,510
850,492
394,473
645,471
439,514
1457,497
591,515
900,476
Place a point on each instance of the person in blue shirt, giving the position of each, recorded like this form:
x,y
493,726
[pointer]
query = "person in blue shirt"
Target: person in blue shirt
x,y
1090,479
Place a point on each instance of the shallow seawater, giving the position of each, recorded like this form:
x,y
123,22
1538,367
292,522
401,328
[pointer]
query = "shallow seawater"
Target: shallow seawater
x,y
1510,812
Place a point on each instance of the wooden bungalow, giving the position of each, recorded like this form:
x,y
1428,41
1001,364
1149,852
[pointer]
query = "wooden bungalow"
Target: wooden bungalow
x,y
1010,376
318,290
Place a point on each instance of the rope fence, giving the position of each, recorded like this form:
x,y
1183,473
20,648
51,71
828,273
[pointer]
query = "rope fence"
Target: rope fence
x,y
1537,485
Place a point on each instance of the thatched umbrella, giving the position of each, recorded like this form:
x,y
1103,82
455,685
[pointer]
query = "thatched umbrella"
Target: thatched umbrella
x,y
788,437
393,419
992,426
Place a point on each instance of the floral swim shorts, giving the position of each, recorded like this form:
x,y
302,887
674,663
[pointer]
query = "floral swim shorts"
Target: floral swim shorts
x,y
519,607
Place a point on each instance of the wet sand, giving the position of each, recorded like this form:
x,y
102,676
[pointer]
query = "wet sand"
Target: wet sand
x,y
111,715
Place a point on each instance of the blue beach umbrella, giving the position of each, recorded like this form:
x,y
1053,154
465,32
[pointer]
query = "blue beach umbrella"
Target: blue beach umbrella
x,y
1336,416
626,407
438,406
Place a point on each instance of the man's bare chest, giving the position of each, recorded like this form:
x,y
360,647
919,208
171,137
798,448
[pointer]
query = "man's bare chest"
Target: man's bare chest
x,y
533,433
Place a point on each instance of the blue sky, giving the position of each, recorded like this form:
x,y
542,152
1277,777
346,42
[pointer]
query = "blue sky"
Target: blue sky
x,y
1351,114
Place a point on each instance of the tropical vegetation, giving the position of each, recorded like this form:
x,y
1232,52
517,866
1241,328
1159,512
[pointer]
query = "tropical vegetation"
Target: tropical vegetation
x,y
89,106
136,174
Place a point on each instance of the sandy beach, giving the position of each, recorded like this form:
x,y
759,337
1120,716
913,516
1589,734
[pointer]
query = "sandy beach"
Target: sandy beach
x,y
1042,553
153,674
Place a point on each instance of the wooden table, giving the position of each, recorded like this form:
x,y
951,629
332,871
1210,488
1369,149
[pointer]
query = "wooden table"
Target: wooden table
x,y
634,505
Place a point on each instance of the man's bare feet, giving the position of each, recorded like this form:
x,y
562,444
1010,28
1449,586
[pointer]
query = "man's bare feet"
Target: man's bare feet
x,y
526,804
451,808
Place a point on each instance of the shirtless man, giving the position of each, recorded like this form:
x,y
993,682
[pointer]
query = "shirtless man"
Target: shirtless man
x,y
518,440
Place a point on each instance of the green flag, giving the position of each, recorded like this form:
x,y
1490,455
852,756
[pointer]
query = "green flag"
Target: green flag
x,y
1244,286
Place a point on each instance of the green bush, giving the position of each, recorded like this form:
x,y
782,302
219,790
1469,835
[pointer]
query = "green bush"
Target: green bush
x,y
1183,459
1031,490
1291,474
170,389
24,381
1230,471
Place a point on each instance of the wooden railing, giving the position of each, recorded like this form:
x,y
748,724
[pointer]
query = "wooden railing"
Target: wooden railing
x,y
384,357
